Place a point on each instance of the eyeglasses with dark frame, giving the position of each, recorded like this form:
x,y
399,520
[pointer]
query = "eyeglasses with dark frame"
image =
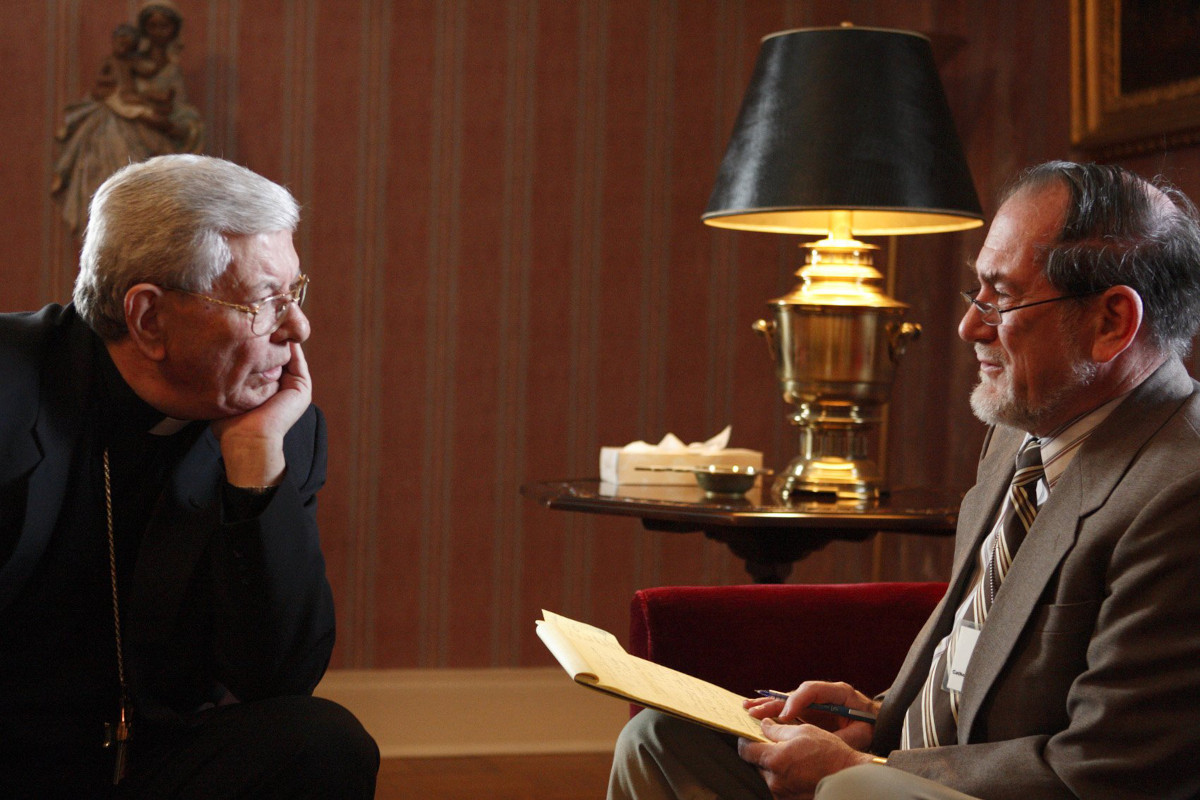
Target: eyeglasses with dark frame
x,y
992,314
266,315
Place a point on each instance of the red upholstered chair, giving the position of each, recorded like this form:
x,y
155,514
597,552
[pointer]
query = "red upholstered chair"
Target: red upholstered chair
x,y
776,636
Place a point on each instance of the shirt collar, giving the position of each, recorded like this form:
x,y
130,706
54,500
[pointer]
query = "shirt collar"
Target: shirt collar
x,y
1061,445
127,413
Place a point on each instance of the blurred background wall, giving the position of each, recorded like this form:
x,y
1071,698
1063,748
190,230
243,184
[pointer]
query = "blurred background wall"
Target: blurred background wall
x,y
502,206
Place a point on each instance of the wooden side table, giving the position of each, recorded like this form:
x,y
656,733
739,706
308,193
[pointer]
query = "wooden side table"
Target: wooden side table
x,y
769,536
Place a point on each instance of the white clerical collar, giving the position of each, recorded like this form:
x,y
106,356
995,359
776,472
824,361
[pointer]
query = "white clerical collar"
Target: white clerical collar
x,y
169,426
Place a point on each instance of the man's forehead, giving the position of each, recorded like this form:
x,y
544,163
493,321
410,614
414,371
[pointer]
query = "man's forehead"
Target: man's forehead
x,y
1027,222
263,260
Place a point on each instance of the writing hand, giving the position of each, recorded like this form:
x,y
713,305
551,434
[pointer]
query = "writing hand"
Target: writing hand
x,y
856,734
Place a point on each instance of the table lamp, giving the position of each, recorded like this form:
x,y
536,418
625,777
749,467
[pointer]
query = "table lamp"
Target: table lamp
x,y
843,132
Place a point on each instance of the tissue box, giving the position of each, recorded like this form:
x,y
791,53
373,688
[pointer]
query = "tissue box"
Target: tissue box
x,y
619,466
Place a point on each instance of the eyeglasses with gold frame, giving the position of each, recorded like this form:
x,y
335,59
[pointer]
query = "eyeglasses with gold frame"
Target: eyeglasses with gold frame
x,y
266,315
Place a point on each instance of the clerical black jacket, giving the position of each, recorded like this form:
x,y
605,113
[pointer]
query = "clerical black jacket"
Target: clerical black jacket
x,y
217,609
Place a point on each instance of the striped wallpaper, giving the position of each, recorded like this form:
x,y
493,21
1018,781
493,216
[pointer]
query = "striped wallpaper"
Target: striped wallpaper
x,y
501,220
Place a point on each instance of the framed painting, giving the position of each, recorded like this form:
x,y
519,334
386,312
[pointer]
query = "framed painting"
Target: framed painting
x,y
1135,83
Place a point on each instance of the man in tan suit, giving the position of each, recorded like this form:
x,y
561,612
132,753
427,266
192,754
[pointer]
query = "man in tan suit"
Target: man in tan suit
x,y
1064,660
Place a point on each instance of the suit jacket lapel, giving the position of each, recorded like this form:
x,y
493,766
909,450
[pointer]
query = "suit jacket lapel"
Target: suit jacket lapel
x,y
975,517
1086,484
49,449
61,402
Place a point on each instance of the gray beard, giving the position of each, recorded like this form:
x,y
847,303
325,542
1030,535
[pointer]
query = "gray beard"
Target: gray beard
x,y
992,408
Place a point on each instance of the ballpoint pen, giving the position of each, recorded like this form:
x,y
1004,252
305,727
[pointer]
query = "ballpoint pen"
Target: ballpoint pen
x,y
831,708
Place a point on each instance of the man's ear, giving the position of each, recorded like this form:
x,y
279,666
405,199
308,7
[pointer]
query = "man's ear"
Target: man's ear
x,y
144,319
1118,323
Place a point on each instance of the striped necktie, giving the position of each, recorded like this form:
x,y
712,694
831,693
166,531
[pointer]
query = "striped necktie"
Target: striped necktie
x,y
932,719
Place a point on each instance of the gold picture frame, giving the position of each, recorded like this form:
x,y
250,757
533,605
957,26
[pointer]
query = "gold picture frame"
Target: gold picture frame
x,y
1135,75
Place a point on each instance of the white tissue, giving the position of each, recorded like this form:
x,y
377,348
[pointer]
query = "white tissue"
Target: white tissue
x,y
619,465
673,444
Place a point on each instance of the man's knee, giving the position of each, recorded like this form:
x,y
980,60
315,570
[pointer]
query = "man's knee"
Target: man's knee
x,y
856,783
306,747
654,732
639,730
333,740
660,756
883,783
293,747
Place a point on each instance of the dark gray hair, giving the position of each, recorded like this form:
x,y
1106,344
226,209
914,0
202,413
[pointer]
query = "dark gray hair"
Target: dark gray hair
x,y
1121,229
166,221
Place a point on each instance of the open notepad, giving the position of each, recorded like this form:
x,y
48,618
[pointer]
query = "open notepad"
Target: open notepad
x,y
594,658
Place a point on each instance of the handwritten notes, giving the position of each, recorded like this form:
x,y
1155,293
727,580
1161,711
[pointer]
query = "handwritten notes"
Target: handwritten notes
x,y
593,657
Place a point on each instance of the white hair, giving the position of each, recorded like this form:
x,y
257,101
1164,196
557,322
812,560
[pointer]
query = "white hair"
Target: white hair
x,y
166,221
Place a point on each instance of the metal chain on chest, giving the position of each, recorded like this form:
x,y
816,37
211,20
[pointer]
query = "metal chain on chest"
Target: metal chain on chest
x,y
124,728
112,570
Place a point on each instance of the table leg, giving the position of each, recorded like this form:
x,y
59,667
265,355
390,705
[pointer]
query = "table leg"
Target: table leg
x,y
770,554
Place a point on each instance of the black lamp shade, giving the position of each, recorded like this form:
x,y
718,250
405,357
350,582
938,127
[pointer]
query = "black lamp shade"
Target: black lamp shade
x,y
849,119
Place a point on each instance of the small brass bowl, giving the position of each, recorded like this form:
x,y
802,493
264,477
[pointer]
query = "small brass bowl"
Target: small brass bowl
x,y
722,482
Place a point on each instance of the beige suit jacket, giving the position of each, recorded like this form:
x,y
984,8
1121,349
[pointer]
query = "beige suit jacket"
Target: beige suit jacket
x,y
1085,681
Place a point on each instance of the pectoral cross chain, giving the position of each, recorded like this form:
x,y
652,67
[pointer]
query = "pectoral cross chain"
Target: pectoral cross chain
x,y
117,736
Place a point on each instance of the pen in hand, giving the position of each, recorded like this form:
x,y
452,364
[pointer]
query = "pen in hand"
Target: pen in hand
x,y
832,708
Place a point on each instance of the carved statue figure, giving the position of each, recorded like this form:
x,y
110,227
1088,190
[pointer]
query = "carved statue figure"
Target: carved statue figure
x,y
137,109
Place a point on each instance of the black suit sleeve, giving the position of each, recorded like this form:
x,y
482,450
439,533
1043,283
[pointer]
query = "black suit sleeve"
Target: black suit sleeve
x,y
274,619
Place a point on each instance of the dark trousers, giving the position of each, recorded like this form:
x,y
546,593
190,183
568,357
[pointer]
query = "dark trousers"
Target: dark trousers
x,y
286,747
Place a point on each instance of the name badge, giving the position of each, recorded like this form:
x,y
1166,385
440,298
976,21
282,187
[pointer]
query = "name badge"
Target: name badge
x,y
962,645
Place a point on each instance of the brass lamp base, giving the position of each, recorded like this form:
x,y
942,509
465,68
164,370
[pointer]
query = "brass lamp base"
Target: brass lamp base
x,y
835,339
829,478
833,463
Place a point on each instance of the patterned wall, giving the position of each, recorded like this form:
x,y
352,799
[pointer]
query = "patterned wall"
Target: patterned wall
x,y
501,221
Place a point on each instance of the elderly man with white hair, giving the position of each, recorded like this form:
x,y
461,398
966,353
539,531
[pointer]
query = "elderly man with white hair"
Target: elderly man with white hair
x,y
164,609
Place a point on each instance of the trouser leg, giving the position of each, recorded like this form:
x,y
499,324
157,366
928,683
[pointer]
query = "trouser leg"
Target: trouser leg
x,y
286,747
877,782
659,757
